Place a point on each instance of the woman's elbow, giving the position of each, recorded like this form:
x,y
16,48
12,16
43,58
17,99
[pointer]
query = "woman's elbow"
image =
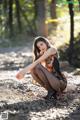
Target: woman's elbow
x,y
53,51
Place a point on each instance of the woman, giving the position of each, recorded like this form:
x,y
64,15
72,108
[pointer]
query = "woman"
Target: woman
x,y
45,68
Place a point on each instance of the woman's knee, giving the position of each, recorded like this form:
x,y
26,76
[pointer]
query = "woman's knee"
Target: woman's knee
x,y
36,68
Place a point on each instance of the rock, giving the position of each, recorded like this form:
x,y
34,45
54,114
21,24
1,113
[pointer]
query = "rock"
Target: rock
x,y
77,71
64,64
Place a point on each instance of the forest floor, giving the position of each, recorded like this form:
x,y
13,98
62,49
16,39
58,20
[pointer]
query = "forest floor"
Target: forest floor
x,y
23,100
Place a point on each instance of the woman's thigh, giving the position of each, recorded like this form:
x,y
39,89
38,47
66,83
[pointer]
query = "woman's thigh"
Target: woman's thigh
x,y
45,75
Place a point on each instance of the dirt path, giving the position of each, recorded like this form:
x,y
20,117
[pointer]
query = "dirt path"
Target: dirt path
x,y
23,100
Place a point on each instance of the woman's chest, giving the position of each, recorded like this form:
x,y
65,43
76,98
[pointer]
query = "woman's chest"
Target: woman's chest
x,y
49,63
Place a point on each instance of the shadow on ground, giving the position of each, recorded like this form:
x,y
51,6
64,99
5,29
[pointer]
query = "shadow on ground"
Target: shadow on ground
x,y
23,110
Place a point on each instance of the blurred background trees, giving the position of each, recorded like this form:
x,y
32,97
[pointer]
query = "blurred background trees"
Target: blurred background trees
x,y
30,14
21,20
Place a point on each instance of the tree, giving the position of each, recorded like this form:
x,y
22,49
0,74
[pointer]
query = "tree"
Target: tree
x,y
71,45
53,15
79,4
8,15
10,22
18,14
40,17
53,9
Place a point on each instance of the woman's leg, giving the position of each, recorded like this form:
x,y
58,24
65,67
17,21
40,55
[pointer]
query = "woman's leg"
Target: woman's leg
x,y
47,78
41,79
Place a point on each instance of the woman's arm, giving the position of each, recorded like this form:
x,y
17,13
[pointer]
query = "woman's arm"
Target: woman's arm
x,y
50,51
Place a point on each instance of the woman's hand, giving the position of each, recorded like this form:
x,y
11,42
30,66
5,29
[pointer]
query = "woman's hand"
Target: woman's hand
x,y
41,53
20,75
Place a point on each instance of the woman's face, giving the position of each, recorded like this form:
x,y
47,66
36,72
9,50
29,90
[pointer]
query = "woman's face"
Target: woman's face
x,y
42,46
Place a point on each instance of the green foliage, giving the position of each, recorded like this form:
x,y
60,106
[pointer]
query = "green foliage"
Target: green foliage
x,y
63,2
28,18
27,15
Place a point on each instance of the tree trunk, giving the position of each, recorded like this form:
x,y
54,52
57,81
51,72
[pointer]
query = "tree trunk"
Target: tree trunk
x,y
79,4
40,17
1,1
18,14
53,25
10,17
6,16
71,45
53,9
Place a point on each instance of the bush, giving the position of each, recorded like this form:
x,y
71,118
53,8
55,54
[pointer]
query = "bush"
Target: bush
x,y
63,51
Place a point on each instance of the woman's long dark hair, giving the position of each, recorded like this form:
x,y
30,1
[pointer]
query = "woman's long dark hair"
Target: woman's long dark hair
x,y
36,49
56,66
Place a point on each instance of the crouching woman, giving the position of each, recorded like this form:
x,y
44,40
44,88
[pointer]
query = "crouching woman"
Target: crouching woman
x,y
45,69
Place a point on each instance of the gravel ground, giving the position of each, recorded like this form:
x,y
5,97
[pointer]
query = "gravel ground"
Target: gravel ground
x,y
23,100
